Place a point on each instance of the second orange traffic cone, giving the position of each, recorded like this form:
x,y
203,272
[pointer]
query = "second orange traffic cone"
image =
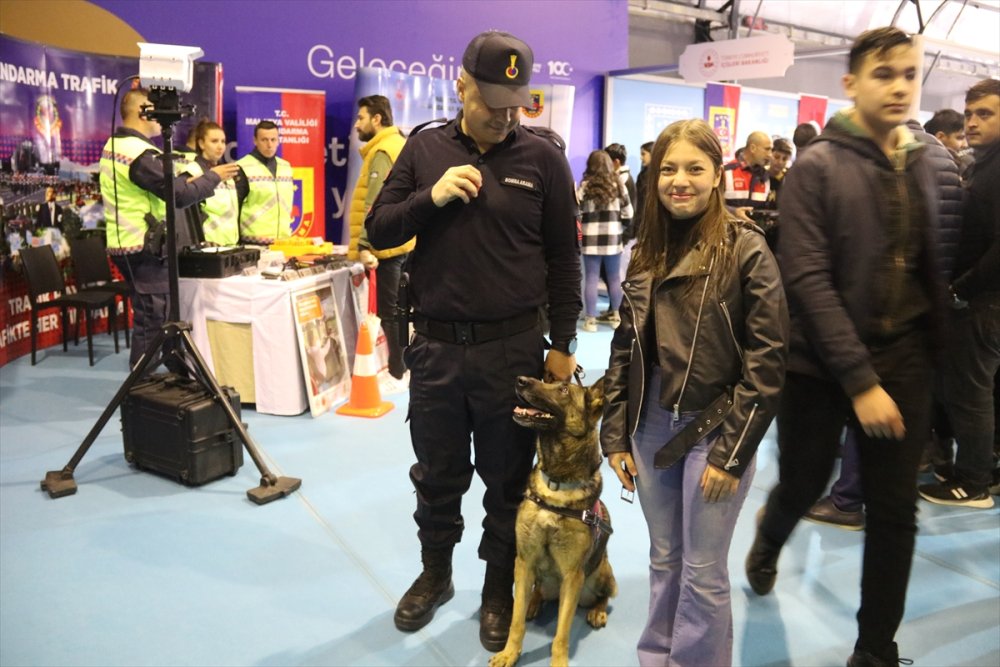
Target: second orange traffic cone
x,y
365,401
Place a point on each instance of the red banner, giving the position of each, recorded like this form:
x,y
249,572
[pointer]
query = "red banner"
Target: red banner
x,y
812,108
301,119
15,319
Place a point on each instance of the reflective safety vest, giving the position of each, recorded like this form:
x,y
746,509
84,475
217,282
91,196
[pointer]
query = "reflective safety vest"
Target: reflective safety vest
x,y
267,210
745,186
125,216
183,157
222,209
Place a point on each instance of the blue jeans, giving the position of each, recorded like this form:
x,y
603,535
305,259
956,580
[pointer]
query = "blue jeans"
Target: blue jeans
x,y
690,616
846,492
592,273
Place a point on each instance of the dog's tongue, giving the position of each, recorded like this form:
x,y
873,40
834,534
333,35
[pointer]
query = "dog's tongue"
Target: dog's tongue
x,y
528,412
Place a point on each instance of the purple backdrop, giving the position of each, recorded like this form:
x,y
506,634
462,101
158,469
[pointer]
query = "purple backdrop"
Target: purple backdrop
x,y
314,44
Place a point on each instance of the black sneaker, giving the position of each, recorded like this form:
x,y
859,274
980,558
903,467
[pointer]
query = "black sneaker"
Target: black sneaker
x,y
865,659
956,493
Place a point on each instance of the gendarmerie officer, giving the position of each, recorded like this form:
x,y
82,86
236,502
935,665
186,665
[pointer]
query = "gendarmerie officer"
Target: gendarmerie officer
x,y
493,209
266,190
132,187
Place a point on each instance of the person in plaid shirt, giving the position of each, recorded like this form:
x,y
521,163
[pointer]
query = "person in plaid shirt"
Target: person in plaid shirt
x,y
603,204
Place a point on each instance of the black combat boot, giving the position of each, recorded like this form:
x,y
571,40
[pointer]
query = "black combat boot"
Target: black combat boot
x,y
430,590
497,608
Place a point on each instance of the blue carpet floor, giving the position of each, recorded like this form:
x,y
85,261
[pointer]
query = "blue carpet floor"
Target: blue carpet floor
x,y
137,570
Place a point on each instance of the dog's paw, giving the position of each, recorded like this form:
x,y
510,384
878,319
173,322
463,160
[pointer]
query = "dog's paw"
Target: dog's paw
x,y
534,606
597,618
505,658
559,658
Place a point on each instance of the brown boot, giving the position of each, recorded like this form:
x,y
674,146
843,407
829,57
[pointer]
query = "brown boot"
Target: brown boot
x,y
497,608
430,590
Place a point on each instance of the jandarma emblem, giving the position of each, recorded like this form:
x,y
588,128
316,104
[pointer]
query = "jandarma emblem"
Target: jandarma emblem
x,y
511,71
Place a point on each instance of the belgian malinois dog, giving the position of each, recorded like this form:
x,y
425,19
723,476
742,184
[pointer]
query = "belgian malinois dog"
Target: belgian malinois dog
x,y
562,525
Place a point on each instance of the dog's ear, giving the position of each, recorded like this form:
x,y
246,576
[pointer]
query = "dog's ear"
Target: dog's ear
x,y
595,397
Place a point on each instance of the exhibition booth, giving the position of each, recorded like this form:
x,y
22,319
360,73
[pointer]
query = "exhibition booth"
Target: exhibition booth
x,y
57,105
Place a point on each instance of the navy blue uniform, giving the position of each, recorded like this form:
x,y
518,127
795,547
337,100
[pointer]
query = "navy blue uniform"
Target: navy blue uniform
x,y
478,276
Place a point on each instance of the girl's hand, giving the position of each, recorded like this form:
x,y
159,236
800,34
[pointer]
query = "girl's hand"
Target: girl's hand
x,y
624,466
718,485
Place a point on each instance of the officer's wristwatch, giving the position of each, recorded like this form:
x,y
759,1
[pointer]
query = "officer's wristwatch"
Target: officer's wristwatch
x,y
566,345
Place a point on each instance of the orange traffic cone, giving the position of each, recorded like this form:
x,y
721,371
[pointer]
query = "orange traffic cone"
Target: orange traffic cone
x,y
365,401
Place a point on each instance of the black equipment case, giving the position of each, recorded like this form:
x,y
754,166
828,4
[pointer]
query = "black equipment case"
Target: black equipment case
x,y
215,262
172,425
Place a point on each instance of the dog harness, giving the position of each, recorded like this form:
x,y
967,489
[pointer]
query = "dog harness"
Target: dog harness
x,y
600,528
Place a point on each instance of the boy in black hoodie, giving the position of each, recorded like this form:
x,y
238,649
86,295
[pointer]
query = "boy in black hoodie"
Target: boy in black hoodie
x,y
857,257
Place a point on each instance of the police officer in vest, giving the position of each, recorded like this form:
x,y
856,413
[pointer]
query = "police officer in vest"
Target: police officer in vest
x,y
383,142
218,215
132,186
266,189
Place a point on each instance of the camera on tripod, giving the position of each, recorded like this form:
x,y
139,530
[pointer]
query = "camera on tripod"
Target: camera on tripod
x,y
181,410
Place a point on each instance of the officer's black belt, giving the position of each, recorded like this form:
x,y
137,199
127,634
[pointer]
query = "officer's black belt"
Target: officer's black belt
x,y
472,333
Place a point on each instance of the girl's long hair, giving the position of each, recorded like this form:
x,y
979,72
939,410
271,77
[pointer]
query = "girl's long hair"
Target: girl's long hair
x,y
712,231
603,186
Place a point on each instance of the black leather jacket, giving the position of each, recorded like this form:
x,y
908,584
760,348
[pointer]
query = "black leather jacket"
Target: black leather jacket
x,y
727,335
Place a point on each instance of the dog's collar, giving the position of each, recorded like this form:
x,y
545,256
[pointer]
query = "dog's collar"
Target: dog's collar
x,y
553,485
591,517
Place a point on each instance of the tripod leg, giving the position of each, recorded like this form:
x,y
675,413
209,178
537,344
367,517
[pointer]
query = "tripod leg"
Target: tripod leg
x,y
60,483
271,487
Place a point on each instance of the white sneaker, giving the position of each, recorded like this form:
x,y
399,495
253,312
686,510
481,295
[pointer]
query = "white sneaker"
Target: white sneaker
x,y
590,324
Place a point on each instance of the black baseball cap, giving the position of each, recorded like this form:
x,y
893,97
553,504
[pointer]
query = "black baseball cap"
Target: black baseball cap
x,y
501,65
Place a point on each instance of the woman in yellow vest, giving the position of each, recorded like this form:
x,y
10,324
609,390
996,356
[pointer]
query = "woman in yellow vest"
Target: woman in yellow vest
x,y
220,212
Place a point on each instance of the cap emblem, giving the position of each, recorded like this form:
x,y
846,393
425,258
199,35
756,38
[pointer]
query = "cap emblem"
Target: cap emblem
x,y
511,71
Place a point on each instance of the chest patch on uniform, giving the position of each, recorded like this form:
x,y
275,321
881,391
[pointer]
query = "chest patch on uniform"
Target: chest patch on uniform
x,y
518,183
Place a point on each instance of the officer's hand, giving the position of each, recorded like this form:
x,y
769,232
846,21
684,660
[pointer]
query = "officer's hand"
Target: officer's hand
x,y
559,367
369,260
226,171
461,182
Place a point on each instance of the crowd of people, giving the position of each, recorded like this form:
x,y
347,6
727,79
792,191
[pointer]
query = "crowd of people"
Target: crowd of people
x,y
880,297
879,300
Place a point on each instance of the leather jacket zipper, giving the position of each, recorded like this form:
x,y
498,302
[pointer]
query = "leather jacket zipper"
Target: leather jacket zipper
x,y
733,461
732,332
638,344
694,341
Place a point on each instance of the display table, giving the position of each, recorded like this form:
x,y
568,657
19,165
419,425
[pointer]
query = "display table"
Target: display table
x,y
244,328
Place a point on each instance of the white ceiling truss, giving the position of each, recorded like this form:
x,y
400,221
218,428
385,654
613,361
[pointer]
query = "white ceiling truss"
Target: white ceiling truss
x,y
960,36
